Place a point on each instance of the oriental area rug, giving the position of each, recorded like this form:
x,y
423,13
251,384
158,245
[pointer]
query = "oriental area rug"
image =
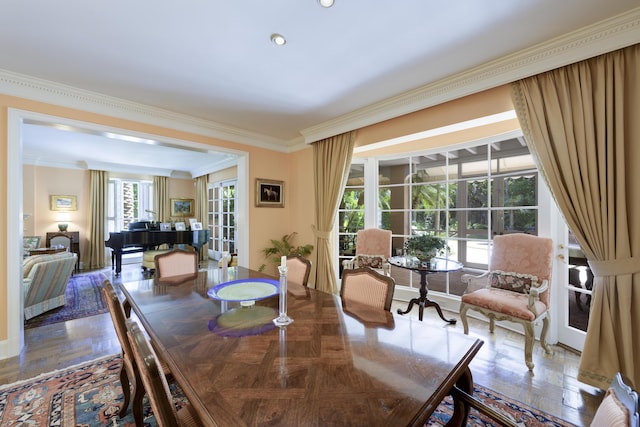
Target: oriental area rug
x,y
84,298
89,395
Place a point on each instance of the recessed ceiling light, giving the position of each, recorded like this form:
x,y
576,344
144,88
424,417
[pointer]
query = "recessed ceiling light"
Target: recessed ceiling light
x,y
278,39
325,3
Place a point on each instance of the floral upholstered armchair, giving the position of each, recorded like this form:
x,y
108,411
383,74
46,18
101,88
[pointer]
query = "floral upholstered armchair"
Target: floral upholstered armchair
x,y
516,287
373,249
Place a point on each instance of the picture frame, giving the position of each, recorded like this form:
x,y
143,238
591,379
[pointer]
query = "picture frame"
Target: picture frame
x,y
269,193
165,226
180,226
63,203
196,226
182,207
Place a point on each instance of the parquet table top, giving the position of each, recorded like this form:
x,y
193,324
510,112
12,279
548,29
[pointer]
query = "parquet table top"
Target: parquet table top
x,y
334,365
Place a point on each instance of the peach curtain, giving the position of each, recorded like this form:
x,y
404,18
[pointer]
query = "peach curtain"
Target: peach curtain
x,y
161,198
331,162
201,209
99,181
582,122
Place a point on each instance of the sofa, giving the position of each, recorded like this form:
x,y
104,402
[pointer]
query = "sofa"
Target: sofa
x,y
45,279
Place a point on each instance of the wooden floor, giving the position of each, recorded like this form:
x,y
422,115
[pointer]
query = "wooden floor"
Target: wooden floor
x,y
499,365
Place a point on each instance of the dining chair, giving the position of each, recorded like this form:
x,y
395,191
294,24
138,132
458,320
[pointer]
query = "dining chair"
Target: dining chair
x,y
155,383
619,406
176,264
367,286
128,371
298,269
373,249
515,288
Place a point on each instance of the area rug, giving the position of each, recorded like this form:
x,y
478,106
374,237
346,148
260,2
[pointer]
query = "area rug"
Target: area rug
x,y
84,298
89,395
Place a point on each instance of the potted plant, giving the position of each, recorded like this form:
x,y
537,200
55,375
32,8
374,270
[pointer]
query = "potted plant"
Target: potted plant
x,y
424,247
284,247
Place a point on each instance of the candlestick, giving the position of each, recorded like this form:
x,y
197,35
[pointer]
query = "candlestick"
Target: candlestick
x,y
283,261
283,319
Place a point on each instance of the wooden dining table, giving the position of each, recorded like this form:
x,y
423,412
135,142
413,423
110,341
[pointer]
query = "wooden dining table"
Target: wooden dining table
x,y
336,364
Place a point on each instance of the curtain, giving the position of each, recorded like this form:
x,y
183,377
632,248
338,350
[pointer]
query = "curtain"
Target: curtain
x,y
161,198
201,209
582,123
331,162
99,181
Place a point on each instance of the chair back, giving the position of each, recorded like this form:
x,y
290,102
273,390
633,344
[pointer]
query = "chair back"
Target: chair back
x,y
366,286
619,406
153,379
60,240
524,254
118,316
374,241
298,269
176,263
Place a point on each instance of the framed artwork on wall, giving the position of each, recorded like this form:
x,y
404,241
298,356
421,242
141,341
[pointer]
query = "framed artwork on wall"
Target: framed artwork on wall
x,y
64,203
181,207
269,193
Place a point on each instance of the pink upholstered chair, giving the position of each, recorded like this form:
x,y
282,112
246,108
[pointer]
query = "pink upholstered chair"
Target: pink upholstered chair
x,y
176,265
373,249
298,269
366,286
516,287
619,407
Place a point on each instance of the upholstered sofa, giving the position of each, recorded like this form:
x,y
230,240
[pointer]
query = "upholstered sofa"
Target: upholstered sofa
x,y
45,279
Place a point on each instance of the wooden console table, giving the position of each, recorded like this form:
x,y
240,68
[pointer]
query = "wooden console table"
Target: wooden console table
x,y
75,243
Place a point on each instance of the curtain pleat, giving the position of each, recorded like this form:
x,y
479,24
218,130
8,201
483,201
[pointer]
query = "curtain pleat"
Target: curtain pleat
x,y
331,162
161,198
201,210
99,181
582,123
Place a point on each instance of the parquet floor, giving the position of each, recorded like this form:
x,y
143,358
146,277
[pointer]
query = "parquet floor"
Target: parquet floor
x,y
499,365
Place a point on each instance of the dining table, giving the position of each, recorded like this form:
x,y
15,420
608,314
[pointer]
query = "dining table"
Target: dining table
x,y
337,363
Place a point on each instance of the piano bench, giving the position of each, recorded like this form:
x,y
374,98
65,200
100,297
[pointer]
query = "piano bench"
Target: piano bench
x,y
148,263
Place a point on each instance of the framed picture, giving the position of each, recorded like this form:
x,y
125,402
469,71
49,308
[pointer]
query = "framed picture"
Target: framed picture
x,y
191,221
165,226
64,203
180,226
269,193
196,226
181,207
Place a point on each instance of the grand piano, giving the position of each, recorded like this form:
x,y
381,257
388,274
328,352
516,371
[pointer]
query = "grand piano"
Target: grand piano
x,y
143,236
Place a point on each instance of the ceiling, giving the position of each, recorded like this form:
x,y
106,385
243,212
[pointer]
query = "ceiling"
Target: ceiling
x,y
213,60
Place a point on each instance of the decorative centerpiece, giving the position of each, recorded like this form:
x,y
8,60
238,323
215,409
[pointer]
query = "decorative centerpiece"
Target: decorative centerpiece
x,y
424,247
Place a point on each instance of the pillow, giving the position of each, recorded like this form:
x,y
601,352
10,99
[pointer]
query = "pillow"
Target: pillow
x,y
371,261
611,412
514,282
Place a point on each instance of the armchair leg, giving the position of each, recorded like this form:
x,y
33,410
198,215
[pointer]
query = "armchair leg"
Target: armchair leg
x,y
463,317
529,339
543,334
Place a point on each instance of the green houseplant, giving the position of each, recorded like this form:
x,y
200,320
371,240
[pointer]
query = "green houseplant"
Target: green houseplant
x,y
424,246
284,247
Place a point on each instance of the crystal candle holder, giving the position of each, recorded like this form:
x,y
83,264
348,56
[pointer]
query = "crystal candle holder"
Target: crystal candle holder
x,y
283,319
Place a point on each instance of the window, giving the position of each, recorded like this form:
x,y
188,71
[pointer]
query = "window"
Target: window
x,y
129,201
465,195
222,217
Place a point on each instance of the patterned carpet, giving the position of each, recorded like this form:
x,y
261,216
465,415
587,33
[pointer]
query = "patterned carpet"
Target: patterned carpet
x,y
84,298
90,395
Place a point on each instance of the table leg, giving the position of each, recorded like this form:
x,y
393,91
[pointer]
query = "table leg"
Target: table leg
x,y
423,301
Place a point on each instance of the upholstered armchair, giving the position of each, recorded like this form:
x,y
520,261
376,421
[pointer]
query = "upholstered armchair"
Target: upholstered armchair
x,y
516,287
373,249
45,279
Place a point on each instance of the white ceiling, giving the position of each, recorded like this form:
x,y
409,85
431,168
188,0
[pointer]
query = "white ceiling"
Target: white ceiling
x,y
213,60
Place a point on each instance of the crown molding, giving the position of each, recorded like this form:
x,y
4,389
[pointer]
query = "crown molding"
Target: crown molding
x,y
33,88
615,33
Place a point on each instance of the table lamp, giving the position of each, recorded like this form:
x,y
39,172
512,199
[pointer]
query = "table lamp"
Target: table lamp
x,y
63,218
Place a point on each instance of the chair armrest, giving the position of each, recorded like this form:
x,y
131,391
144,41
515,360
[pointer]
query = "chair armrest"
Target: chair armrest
x,y
534,294
348,263
475,282
386,267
